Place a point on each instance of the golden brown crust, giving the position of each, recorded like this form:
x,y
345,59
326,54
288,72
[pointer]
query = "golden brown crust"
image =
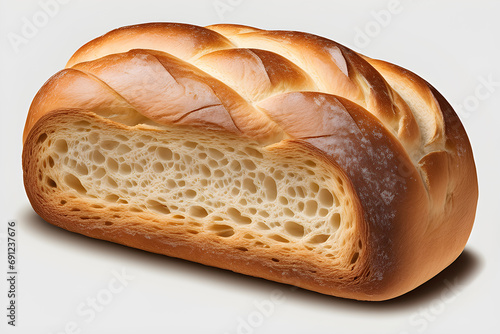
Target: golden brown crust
x,y
405,158
183,41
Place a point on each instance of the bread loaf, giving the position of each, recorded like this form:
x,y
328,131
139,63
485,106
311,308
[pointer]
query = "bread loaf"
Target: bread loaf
x,y
276,154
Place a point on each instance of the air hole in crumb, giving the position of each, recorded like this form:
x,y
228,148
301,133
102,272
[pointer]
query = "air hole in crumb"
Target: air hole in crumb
x,y
253,152
205,171
323,212
310,163
270,188
108,223
354,257
42,138
111,182
325,197
158,167
123,149
171,184
288,212
164,153
190,144
278,238
235,165
335,220
109,144
237,217
319,238
244,249
279,175
263,226
125,169
190,193
275,260
222,230
82,123
97,157
99,173
294,229
198,211
311,208
51,183
314,187
74,182
215,154
112,198
61,146
263,214
82,169
248,164
112,165
158,207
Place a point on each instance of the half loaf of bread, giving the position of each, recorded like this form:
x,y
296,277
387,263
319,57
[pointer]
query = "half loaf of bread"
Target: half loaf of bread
x,y
276,154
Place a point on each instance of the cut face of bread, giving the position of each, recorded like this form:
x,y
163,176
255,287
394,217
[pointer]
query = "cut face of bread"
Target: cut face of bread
x,y
276,154
277,198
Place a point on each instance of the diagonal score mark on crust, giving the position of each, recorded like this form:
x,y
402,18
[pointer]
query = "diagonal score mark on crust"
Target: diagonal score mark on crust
x,y
215,92
219,123
261,63
297,35
94,77
200,108
195,110
120,40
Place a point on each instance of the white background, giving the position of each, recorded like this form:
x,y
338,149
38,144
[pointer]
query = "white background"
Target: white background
x,y
452,44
